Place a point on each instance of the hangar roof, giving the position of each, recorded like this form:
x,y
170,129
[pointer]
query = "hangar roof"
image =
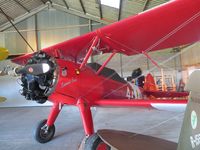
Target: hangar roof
x,y
18,10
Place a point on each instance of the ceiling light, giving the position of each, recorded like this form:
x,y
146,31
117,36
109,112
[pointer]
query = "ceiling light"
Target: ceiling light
x,y
111,3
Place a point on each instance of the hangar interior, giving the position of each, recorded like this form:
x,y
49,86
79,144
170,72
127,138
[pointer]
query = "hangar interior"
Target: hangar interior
x,y
46,22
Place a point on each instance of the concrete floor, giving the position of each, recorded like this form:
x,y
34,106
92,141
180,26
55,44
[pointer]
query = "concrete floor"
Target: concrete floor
x,y
17,125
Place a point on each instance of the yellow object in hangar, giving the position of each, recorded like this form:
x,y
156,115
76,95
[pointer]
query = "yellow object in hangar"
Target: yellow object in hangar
x,y
3,53
2,99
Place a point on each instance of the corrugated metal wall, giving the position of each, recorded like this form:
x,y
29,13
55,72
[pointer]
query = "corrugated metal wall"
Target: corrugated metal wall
x,y
191,57
53,27
54,19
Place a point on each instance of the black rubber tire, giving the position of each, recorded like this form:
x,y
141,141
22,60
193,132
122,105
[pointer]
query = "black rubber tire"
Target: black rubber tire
x,y
42,137
93,142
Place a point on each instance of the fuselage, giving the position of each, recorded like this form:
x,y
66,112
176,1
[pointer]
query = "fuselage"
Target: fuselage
x,y
73,83
62,81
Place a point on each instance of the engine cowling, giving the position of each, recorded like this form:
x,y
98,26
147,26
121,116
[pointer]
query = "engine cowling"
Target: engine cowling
x,y
39,77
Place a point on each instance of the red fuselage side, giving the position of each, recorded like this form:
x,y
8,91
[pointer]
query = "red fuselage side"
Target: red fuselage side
x,y
73,84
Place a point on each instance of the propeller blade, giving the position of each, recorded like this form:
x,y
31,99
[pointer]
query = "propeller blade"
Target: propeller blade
x,y
34,69
3,53
2,99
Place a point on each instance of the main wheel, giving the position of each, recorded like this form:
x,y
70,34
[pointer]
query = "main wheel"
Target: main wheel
x,y
43,133
94,142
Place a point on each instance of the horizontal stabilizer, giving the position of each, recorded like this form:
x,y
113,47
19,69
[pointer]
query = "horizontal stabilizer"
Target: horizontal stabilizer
x,y
190,132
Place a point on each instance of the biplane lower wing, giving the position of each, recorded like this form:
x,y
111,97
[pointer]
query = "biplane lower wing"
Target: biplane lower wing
x,y
160,104
172,24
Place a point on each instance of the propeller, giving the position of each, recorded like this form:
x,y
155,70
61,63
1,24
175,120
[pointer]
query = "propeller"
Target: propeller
x,y
34,69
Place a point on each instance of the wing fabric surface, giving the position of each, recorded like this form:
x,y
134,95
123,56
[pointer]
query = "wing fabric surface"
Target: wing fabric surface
x,y
172,24
72,49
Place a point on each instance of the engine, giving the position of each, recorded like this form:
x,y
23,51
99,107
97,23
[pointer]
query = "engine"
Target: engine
x,y
39,85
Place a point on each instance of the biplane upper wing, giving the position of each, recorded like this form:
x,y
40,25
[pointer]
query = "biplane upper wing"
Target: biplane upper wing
x,y
72,49
171,24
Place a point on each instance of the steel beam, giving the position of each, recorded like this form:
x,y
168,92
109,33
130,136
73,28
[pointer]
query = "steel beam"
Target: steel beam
x,y
36,33
44,2
17,29
120,10
79,13
56,6
22,6
100,9
7,15
145,5
65,2
82,6
22,17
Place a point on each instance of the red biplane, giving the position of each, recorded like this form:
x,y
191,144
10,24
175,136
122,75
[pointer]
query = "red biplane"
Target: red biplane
x,y
61,74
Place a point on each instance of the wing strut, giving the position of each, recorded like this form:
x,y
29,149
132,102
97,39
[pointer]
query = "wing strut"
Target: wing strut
x,y
89,53
149,57
106,62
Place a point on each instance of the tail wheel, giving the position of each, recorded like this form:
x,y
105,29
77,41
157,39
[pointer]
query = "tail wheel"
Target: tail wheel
x,y
94,142
44,133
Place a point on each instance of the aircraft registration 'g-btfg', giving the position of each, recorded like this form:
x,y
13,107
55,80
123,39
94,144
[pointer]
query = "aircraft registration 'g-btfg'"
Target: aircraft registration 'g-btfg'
x,y
60,73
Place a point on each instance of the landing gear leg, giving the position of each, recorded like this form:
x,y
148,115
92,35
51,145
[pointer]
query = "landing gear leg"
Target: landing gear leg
x,y
46,129
86,116
93,141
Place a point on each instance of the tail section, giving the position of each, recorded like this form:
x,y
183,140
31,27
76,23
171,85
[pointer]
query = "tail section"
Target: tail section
x,y
190,132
